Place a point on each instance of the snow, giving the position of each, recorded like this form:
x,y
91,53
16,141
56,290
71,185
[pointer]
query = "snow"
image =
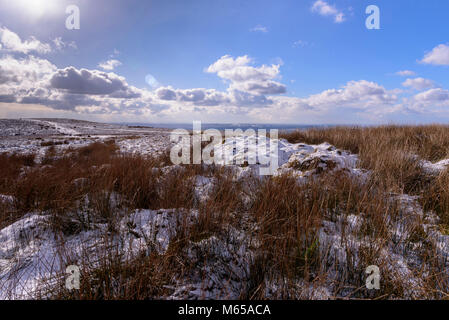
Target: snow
x,y
299,160
203,187
400,258
27,135
6,199
435,168
144,145
65,130
311,159
32,256
225,272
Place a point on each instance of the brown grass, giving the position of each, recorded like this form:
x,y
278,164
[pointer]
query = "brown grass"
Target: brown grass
x,y
290,222
288,214
388,151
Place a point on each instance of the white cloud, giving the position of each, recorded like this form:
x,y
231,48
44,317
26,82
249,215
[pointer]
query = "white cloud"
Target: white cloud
x,y
38,82
355,101
418,83
232,98
61,45
91,82
433,95
300,43
438,56
110,64
203,97
406,73
355,94
10,41
25,73
325,9
200,97
167,93
431,101
260,87
259,28
252,93
246,78
228,63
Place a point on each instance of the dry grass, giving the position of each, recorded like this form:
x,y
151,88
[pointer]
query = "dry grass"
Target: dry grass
x,y
436,198
388,151
114,278
290,222
10,167
288,214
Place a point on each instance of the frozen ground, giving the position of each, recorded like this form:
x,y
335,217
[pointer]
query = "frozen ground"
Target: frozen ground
x,y
38,135
31,257
68,127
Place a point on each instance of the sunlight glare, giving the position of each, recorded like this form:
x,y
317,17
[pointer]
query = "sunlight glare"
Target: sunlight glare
x,y
37,8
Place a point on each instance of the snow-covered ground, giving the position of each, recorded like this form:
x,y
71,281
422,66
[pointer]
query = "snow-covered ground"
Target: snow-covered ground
x,y
68,127
33,257
435,168
36,136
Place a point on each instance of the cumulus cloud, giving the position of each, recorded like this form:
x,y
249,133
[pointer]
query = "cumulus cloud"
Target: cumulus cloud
x,y
418,83
10,41
33,80
204,97
433,95
355,94
110,64
36,81
354,101
243,77
432,100
438,56
168,94
197,96
260,87
228,63
248,86
253,91
325,9
86,81
406,73
24,73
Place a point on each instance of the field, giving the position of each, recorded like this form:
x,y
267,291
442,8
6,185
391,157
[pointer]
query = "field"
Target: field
x,y
138,227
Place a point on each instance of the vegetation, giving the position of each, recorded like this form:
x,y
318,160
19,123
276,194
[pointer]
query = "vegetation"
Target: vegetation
x,y
284,217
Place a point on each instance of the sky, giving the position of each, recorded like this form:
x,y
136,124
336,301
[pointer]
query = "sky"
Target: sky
x,y
225,61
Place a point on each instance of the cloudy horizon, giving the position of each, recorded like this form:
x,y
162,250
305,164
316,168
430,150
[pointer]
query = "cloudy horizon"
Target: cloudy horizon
x,y
289,62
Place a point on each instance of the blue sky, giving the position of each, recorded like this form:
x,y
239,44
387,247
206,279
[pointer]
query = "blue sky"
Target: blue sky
x,y
226,61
